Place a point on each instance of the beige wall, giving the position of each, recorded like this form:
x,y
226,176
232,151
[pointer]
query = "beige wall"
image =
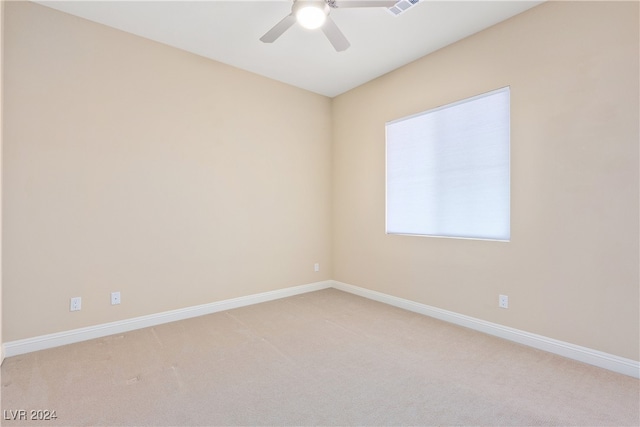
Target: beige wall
x,y
1,132
571,269
135,167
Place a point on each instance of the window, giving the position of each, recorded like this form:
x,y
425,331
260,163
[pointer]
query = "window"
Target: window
x,y
448,170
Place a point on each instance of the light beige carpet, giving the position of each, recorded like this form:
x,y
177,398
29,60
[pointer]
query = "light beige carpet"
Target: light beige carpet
x,y
323,358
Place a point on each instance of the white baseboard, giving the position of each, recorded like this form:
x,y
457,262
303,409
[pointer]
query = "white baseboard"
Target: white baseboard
x,y
571,351
14,348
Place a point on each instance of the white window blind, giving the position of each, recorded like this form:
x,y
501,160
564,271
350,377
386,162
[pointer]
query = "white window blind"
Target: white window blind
x,y
448,170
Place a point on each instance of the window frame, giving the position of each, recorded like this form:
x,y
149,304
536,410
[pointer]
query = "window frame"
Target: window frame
x,y
506,89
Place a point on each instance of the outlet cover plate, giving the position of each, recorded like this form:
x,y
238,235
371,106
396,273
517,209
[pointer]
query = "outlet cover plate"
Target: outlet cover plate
x,y
115,298
503,301
76,304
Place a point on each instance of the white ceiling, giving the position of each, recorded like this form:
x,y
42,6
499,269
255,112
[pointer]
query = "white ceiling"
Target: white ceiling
x,y
229,32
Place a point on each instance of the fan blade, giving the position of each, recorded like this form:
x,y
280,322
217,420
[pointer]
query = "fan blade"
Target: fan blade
x,y
364,3
335,36
279,29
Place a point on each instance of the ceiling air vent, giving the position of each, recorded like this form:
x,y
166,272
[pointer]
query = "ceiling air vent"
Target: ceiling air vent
x,y
402,6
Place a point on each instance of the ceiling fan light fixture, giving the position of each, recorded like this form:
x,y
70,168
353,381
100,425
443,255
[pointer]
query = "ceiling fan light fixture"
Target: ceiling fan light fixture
x,y
311,15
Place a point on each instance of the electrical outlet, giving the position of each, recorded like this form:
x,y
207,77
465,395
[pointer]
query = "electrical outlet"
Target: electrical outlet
x,y
115,298
503,301
316,267
76,304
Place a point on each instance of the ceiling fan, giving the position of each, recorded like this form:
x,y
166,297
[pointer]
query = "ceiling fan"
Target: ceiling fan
x,y
314,14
